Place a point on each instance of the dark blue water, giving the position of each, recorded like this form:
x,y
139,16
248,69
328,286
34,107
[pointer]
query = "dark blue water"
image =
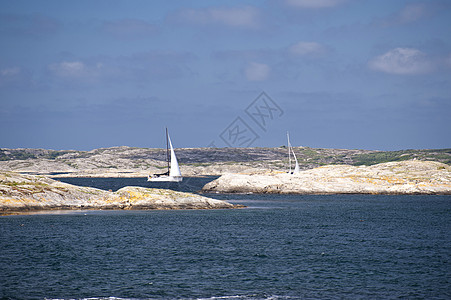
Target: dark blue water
x,y
189,184
281,247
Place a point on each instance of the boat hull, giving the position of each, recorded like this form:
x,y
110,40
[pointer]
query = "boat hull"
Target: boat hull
x,y
165,179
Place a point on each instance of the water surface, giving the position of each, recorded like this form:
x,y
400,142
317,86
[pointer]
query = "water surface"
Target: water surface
x,y
280,247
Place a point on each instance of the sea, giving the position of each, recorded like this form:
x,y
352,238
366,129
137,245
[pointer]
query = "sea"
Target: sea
x,y
278,247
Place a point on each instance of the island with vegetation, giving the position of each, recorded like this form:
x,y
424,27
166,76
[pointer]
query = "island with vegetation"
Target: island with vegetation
x,y
25,193
404,177
140,162
26,175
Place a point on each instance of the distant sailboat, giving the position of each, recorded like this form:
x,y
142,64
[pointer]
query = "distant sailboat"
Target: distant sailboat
x,y
290,151
173,174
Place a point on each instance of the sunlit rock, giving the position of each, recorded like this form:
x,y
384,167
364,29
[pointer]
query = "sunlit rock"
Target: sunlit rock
x,y
407,177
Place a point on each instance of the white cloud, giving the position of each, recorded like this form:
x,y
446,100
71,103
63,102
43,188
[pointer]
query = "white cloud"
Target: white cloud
x,y
402,61
17,77
78,72
244,17
257,72
314,3
12,77
10,72
306,48
68,68
136,68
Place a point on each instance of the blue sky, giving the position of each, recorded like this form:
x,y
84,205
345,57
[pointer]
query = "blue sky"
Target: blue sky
x,y
350,74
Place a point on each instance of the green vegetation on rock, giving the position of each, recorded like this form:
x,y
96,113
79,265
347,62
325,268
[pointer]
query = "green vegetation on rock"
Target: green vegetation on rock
x,y
197,161
440,155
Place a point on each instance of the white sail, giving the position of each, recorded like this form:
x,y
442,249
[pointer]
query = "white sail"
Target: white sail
x,y
175,170
173,174
296,167
290,151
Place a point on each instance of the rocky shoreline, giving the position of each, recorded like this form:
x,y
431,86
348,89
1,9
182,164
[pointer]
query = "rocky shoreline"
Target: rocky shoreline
x,y
140,162
23,193
407,177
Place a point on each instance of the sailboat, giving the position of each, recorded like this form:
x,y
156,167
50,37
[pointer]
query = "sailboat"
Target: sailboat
x,y
173,174
290,151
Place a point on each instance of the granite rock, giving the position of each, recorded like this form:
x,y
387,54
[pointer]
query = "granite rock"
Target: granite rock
x,y
407,177
140,162
19,192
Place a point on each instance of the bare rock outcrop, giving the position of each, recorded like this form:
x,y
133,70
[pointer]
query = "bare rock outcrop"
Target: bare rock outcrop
x,y
139,162
407,177
20,192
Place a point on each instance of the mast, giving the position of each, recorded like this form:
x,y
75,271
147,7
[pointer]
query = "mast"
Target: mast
x,y
167,148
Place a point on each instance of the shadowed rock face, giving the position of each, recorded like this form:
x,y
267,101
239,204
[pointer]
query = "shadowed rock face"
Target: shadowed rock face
x,y
139,162
26,192
408,177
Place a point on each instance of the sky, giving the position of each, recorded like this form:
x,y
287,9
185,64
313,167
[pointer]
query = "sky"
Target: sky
x,y
350,74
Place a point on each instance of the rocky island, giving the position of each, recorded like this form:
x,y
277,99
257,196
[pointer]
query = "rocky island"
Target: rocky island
x,y
140,162
406,177
26,184
19,193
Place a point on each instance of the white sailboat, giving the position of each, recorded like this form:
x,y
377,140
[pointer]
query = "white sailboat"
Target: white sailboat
x,y
290,151
173,174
